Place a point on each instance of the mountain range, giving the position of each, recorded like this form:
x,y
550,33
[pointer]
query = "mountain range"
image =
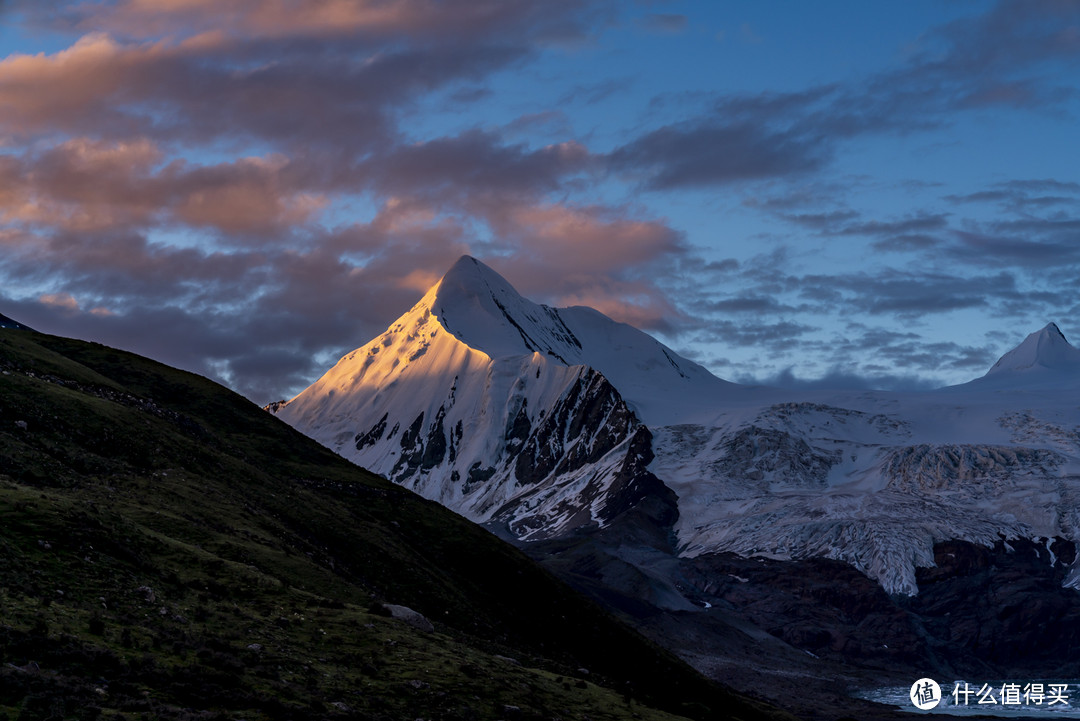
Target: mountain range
x,y
543,423
801,545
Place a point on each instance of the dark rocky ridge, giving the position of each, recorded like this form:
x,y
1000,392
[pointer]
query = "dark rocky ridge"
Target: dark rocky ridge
x,y
583,426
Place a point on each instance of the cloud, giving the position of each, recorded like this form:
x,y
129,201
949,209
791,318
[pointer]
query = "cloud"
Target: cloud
x,y
553,121
593,93
325,98
917,231
93,186
302,306
756,304
997,59
593,255
839,378
235,182
776,287
214,344
700,154
867,357
432,21
265,323
1020,196
906,293
663,23
753,334
588,238
60,301
1011,251
248,188
475,163
919,223
65,303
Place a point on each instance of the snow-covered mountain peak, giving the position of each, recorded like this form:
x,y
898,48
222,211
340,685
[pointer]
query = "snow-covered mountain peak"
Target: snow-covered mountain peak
x,y
1044,350
469,279
471,290
481,309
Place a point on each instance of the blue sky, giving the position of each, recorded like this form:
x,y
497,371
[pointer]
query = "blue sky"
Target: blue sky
x,y
870,194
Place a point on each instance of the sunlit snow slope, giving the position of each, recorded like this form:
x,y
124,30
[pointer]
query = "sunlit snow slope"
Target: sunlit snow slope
x,y
503,409
550,421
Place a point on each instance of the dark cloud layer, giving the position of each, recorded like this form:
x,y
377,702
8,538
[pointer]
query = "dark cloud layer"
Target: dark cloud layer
x,y
993,60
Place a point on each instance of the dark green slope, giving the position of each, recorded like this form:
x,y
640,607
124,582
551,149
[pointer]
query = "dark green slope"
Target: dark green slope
x,y
168,550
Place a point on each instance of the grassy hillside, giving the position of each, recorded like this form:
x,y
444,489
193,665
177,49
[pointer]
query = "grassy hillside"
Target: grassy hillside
x,y
168,550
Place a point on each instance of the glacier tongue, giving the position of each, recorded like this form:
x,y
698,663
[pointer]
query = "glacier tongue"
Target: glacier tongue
x,y
548,421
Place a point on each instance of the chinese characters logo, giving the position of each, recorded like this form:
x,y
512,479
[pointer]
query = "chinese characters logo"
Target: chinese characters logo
x,y
925,694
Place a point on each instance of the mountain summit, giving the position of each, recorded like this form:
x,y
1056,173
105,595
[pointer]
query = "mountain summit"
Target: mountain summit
x,y
1042,351
485,312
481,309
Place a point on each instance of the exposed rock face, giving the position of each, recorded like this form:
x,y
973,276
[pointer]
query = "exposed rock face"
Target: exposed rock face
x,y
635,487
372,436
928,467
754,453
585,424
590,437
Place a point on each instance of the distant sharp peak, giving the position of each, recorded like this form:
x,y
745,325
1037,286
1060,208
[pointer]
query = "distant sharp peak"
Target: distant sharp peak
x,y
1045,349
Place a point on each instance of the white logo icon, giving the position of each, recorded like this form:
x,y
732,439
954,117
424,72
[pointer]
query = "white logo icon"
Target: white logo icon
x,y
925,694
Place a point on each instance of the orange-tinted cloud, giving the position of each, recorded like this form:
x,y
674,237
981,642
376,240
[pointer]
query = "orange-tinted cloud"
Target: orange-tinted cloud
x,y
593,238
597,256
84,84
91,185
67,304
289,18
205,89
